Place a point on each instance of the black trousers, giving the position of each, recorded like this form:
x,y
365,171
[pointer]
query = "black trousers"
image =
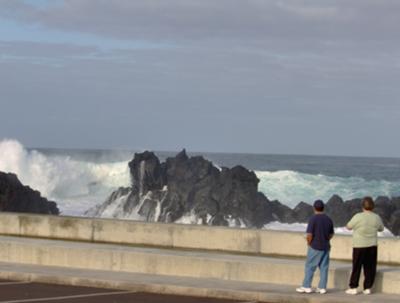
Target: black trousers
x,y
365,257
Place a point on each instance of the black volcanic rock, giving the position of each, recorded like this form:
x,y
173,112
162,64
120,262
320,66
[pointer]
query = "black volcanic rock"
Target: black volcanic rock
x,y
336,209
387,208
302,212
280,212
146,172
219,220
190,186
15,197
384,207
353,206
394,223
117,200
396,202
194,187
340,211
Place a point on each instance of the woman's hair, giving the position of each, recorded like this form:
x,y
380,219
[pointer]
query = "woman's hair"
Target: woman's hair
x,y
368,203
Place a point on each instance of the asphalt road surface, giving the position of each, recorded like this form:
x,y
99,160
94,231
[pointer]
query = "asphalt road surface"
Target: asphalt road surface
x,y
25,292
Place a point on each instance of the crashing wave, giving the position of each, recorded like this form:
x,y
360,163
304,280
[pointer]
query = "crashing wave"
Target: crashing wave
x,y
75,185
291,187
79,184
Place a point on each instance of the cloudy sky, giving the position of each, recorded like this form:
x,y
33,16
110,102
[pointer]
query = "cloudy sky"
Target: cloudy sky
x,y
278,76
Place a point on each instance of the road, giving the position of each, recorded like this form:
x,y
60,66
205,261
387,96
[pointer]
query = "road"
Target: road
x,y
25,292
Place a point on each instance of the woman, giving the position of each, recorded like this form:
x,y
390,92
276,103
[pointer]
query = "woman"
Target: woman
x,y
365,226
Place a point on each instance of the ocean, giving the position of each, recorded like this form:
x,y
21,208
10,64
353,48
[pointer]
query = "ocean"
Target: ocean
x,y
79,179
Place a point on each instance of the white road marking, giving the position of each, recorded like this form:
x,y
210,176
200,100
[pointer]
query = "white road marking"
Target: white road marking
x,y
11,283
70,297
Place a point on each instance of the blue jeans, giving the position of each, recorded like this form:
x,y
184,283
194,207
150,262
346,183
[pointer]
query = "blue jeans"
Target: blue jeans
x,y
316,258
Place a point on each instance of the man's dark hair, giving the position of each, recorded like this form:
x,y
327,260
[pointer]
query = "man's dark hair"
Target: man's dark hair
x,y
319,205
368,203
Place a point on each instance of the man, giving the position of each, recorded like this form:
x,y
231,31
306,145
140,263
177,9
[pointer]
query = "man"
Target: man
x,y
319,233
365,226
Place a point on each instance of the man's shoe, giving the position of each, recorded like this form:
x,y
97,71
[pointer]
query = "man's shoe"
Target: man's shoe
x,y
367,291
321,291
351,291
306,290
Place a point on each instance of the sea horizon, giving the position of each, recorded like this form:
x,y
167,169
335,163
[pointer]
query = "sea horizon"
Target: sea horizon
x,y
197,152
80,179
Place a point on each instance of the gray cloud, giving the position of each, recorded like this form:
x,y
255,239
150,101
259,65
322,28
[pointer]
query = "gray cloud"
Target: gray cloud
x,y
164,99
227,75
44,49
222,19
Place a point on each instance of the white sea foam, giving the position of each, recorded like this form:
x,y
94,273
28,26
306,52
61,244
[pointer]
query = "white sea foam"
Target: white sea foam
x,y
115,209
301,227
79,185
290,187
75,185
189,218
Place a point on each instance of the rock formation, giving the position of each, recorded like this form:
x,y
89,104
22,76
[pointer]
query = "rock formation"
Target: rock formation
x,y
194,187
15,197
164,192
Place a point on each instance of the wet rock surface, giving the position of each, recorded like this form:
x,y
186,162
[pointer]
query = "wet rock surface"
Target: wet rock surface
x,y
194,187
15,197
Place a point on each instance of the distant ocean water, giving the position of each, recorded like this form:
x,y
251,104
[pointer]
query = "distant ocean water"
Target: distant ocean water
x,y
79,179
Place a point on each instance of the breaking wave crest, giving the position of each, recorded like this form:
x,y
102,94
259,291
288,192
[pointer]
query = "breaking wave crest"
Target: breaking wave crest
x,y
290,187
74,185
78,185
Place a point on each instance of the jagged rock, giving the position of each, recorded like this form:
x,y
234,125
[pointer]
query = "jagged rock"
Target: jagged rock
x,y
237,192
15,197
116,201
394,223
302,212
190,183
340,211
193,186
146,172
396,202
388,209
219,220
353,206
263,213
281,212
185,185
335,208
148,209
149,206
384,207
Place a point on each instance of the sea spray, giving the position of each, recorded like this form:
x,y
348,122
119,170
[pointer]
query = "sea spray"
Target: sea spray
x,y
78,183
290,187
74,185
301,227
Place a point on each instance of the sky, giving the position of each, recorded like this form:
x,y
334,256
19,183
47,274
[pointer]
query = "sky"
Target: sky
x,y
279,76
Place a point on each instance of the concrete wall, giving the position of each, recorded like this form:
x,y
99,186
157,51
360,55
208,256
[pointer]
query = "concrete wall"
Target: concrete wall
x,y
157,261
248,241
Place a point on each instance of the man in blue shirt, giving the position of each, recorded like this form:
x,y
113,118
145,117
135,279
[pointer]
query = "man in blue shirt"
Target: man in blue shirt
x,y
319,233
